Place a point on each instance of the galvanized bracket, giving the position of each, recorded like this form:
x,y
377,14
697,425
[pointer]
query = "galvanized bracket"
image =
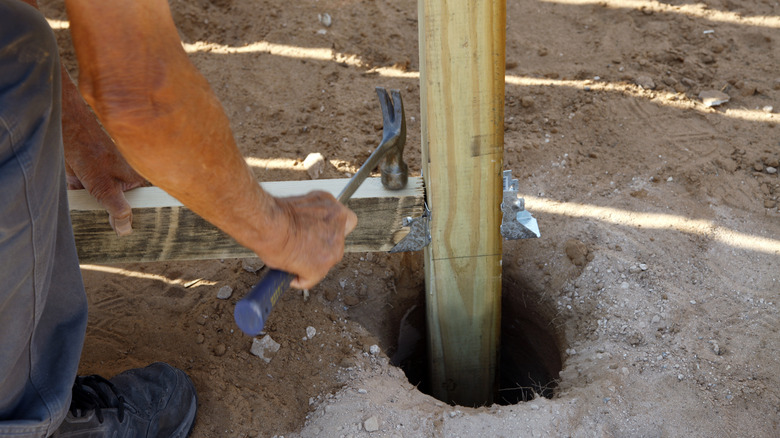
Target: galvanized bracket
x,y
419,233
517,222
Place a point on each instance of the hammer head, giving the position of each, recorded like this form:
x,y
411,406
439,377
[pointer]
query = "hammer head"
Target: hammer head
x,y
394,170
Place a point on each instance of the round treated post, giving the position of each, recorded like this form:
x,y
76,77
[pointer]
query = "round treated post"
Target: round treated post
x,y
462,66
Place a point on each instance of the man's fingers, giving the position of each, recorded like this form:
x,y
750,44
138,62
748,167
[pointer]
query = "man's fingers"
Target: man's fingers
x,y
350,223
122,226
296,284
120,215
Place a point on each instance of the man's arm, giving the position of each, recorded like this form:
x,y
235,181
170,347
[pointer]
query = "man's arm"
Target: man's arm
x,y
171,128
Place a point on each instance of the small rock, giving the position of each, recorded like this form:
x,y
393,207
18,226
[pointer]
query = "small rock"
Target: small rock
x,y
767,109
634,269
348,362
680,377
264,348
220,350
712,98
773,162
645,82
371,424
351,300
314,164
748,90
624,285
715,347
624,370
656,319
310,332
224,292
199,339
527,102
251,266
330,294
362,391
374,349
769,203
670,81
325,19
634,338
771,170
758,167
688,82
201,320
643,266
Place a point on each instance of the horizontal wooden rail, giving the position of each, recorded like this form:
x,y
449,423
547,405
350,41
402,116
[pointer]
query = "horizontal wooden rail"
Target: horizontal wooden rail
x,y
163,229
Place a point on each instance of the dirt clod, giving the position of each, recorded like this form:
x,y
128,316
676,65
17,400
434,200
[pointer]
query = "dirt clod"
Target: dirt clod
x,y
576,251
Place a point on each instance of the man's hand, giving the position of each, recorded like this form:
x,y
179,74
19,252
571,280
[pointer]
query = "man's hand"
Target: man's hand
x,y
313,240
93,162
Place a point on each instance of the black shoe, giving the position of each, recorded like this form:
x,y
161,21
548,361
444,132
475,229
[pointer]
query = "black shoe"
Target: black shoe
x,y
156,401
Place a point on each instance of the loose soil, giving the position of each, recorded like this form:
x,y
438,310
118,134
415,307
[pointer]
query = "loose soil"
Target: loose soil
x,y
656,274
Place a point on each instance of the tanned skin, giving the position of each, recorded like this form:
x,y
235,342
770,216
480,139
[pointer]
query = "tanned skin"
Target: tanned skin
x,y
169,126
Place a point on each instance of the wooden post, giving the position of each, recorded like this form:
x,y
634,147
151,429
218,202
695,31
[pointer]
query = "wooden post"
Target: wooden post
x,y
462,66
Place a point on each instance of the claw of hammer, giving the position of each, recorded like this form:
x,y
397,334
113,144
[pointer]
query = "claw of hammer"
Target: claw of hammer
x,y
389,154
394,170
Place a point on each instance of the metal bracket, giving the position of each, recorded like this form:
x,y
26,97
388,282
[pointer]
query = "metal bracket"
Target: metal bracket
x,y
419,233
517,222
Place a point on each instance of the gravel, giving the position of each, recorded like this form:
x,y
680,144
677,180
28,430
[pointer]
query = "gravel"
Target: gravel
x,y
224,292
371,424
264,348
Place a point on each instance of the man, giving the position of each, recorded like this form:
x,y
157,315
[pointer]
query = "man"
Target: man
x,y
168,125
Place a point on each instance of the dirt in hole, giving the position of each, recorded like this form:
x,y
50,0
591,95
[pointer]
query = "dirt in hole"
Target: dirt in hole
x,y
529,362
530,359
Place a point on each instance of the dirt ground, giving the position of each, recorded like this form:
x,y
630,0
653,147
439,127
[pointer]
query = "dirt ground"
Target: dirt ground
x,y
656,276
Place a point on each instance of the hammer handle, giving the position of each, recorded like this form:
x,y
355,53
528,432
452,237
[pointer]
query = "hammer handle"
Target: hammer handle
x,y
252,311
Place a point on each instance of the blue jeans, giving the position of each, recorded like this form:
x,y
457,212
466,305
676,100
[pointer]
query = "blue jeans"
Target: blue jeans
x,y
43,310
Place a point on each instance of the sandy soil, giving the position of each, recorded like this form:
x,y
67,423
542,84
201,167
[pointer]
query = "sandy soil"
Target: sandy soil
x,y
656,275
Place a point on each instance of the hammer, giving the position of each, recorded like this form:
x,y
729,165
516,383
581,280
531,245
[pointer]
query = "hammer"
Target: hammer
x,y
252,311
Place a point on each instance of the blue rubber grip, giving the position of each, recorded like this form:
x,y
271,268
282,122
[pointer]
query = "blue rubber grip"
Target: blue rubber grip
x,y
252,311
